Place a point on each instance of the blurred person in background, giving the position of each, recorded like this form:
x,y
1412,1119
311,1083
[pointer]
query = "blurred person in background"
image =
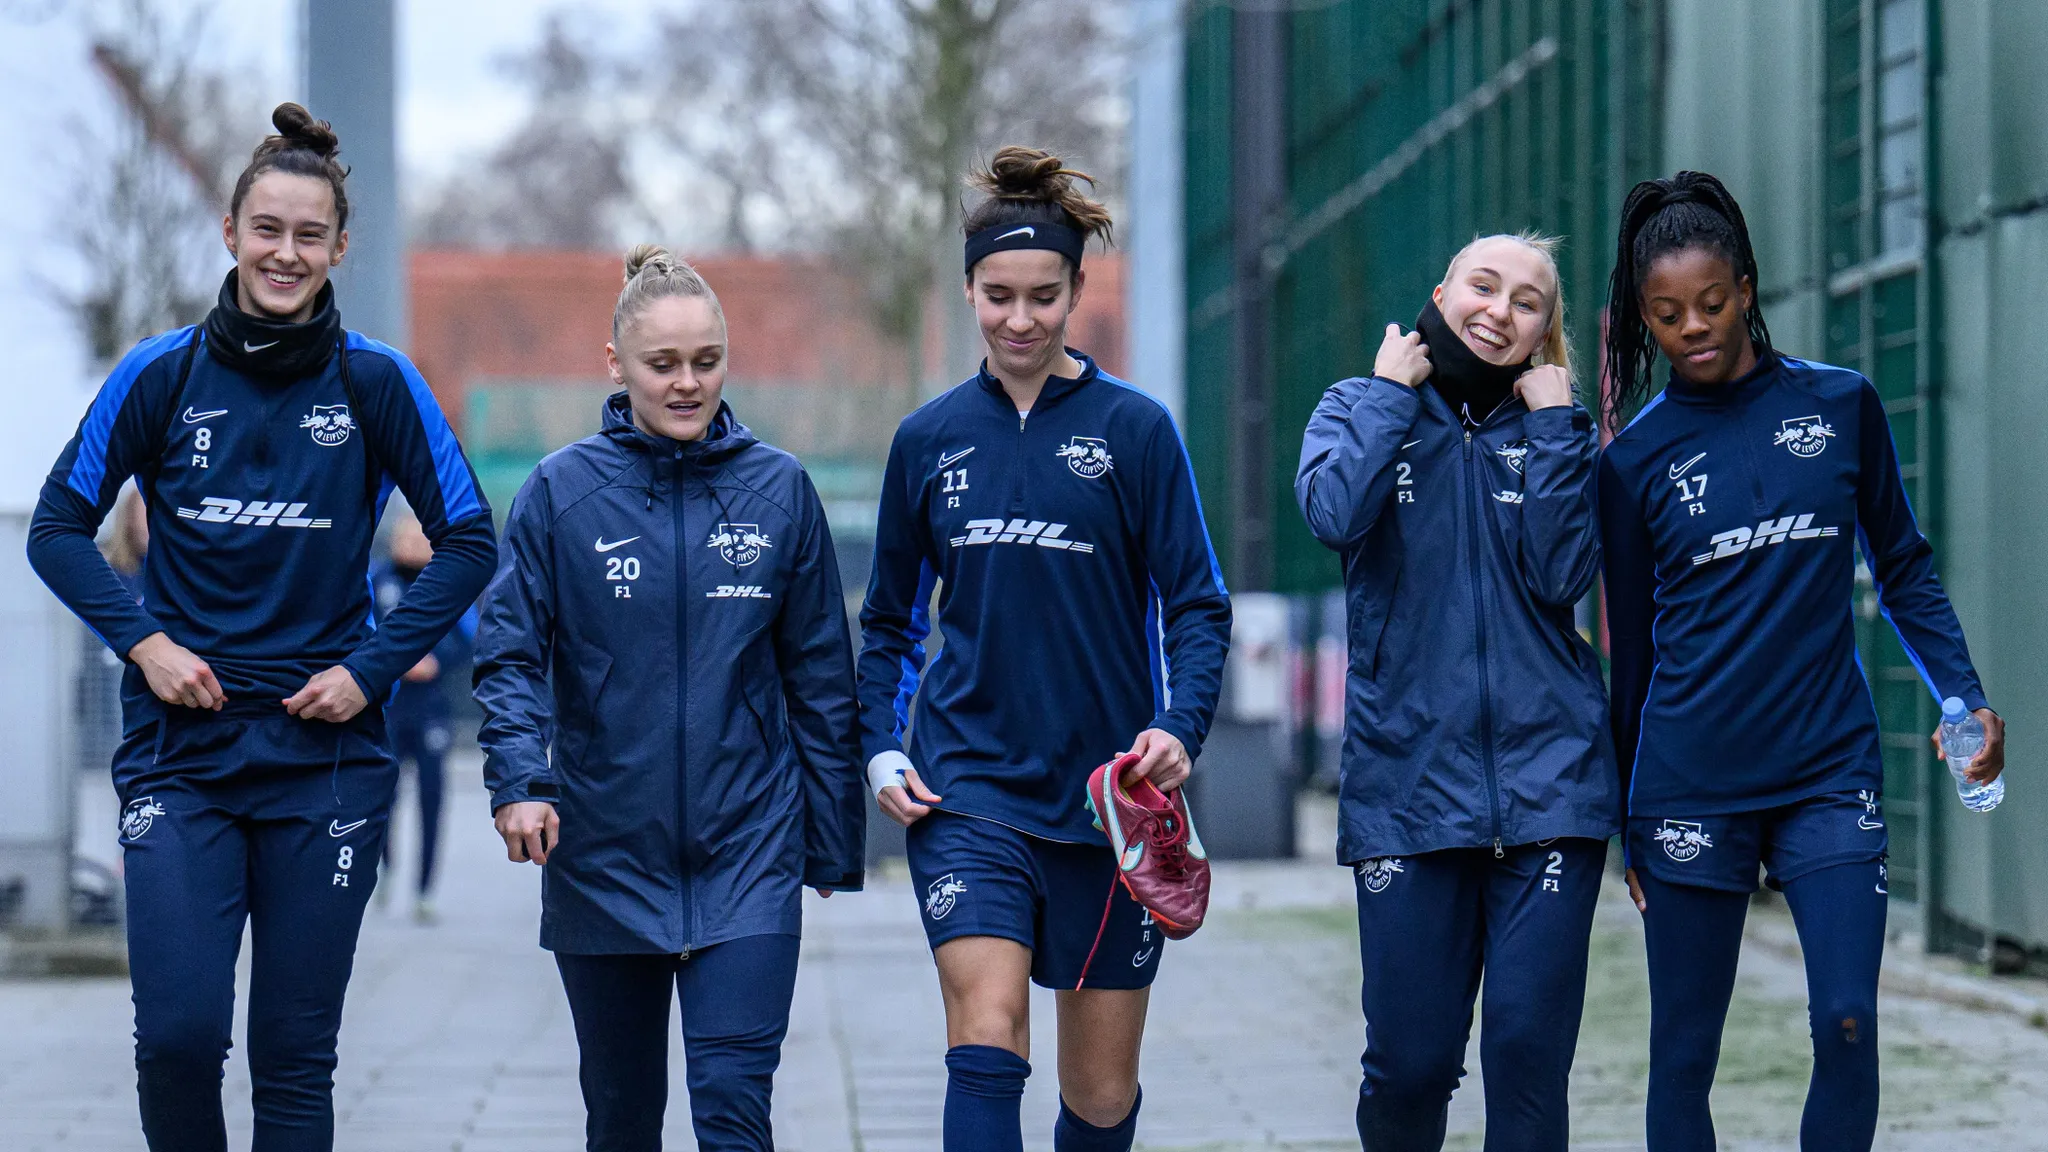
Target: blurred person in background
x,y
417,716
1056,506
1479,788
127,540
253,770
1742,717
666,676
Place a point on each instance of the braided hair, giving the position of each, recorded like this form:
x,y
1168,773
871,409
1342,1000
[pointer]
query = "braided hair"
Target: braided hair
x,y
1691,210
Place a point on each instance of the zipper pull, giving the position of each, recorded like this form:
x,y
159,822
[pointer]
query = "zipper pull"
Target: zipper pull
x,y
1497,851
1021,417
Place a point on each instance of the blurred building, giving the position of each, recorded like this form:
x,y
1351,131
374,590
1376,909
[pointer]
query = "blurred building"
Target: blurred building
x,y
513,344
1892,160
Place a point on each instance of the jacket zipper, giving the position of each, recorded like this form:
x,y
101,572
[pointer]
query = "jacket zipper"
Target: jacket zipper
x,y
683,869
1756,475
1474,508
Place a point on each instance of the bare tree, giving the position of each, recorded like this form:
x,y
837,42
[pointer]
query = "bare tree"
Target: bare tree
x,y
144,208
849,123
560,179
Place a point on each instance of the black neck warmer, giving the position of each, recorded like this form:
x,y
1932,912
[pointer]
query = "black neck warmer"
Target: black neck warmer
x,y
263,346
1472,387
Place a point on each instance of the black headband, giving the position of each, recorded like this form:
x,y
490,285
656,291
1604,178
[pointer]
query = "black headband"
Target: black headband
x,y
1012,237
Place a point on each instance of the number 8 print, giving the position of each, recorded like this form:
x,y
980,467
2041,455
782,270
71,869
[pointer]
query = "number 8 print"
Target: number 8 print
x,y
347,858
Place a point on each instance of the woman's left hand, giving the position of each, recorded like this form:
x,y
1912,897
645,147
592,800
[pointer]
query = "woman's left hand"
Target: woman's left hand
x,y
1989,761
1163,759
1544,386
332,695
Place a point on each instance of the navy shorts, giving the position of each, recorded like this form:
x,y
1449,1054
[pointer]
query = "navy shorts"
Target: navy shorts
x,y
975,877
1790,841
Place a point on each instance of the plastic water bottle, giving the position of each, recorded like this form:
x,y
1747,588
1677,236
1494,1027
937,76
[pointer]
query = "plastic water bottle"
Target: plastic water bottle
x,y
1962,735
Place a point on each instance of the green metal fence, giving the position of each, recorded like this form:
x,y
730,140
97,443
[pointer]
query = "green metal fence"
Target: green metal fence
x,y
1410,127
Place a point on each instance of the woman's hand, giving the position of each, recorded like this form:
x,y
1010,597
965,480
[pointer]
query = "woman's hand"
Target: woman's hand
x,y
908,802
1989,761
1635,890
176,674
531,830
332,695
1402,359
1544,386
1162,759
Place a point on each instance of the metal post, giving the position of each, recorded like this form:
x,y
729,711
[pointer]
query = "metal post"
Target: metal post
x,y
1258,164
1155,293
351,61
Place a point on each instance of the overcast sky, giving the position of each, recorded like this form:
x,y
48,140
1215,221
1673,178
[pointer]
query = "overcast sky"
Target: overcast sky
x,y
454,104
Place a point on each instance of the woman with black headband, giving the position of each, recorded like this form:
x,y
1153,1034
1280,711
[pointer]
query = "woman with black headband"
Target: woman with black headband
x,y
1055,504
1730,508
1478,781
253,767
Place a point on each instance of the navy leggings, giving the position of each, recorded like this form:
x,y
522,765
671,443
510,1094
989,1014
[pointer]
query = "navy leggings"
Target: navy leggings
x,y
1695,936
425,744
274,823
735,1000
1429,926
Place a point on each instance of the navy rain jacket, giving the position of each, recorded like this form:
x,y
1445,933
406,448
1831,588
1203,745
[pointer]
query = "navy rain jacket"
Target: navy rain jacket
x,y
1475,714
1731,517
263,493
1071,555
664,657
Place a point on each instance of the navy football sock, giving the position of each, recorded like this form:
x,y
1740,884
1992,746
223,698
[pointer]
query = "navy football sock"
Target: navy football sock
x,y
1073,1134
984,1099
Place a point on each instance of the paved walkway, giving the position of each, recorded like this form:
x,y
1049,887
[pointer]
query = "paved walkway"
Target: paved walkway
x,y
457,1038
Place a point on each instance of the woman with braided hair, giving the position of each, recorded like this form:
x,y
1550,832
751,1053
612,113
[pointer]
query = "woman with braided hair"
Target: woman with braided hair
x,y
1729,508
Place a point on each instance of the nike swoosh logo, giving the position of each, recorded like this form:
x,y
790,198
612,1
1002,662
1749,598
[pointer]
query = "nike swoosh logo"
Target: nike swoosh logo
x,y
1410,444
1134,855
248,347
1678,470
1138,961
1868,825
948,459
1027,230
604,547
337,828
192,417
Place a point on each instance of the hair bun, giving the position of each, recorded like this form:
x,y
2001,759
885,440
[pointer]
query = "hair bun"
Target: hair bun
x,y
1016,172
300,130
645,255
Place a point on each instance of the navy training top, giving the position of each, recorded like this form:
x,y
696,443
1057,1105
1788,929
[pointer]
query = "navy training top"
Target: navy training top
x,y
1079,599
263,492
1729,517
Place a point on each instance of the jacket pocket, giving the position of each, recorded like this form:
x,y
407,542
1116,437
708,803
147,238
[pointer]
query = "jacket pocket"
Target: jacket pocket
x,y
582,672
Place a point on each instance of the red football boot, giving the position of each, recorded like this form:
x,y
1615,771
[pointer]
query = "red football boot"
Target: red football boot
x,y
1160,858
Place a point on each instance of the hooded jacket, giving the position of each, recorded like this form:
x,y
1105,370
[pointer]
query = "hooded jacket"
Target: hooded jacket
x,y
1475,714
1081,601
264,451
664,656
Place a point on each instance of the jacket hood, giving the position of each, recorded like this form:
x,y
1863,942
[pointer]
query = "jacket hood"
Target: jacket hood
x,y
265,346
726,437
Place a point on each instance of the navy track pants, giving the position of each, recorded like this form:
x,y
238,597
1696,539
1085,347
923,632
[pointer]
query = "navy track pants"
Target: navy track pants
x,y
269,821
1694,938
735,1005
1429,926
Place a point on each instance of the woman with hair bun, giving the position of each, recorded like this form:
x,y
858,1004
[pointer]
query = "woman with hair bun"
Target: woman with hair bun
x,y
667,685
1056,505
253,769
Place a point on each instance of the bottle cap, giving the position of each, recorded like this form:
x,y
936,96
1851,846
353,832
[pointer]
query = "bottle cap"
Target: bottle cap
x,y
1952,709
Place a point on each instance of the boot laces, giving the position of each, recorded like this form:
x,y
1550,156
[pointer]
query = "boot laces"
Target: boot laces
x,y
1167,846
